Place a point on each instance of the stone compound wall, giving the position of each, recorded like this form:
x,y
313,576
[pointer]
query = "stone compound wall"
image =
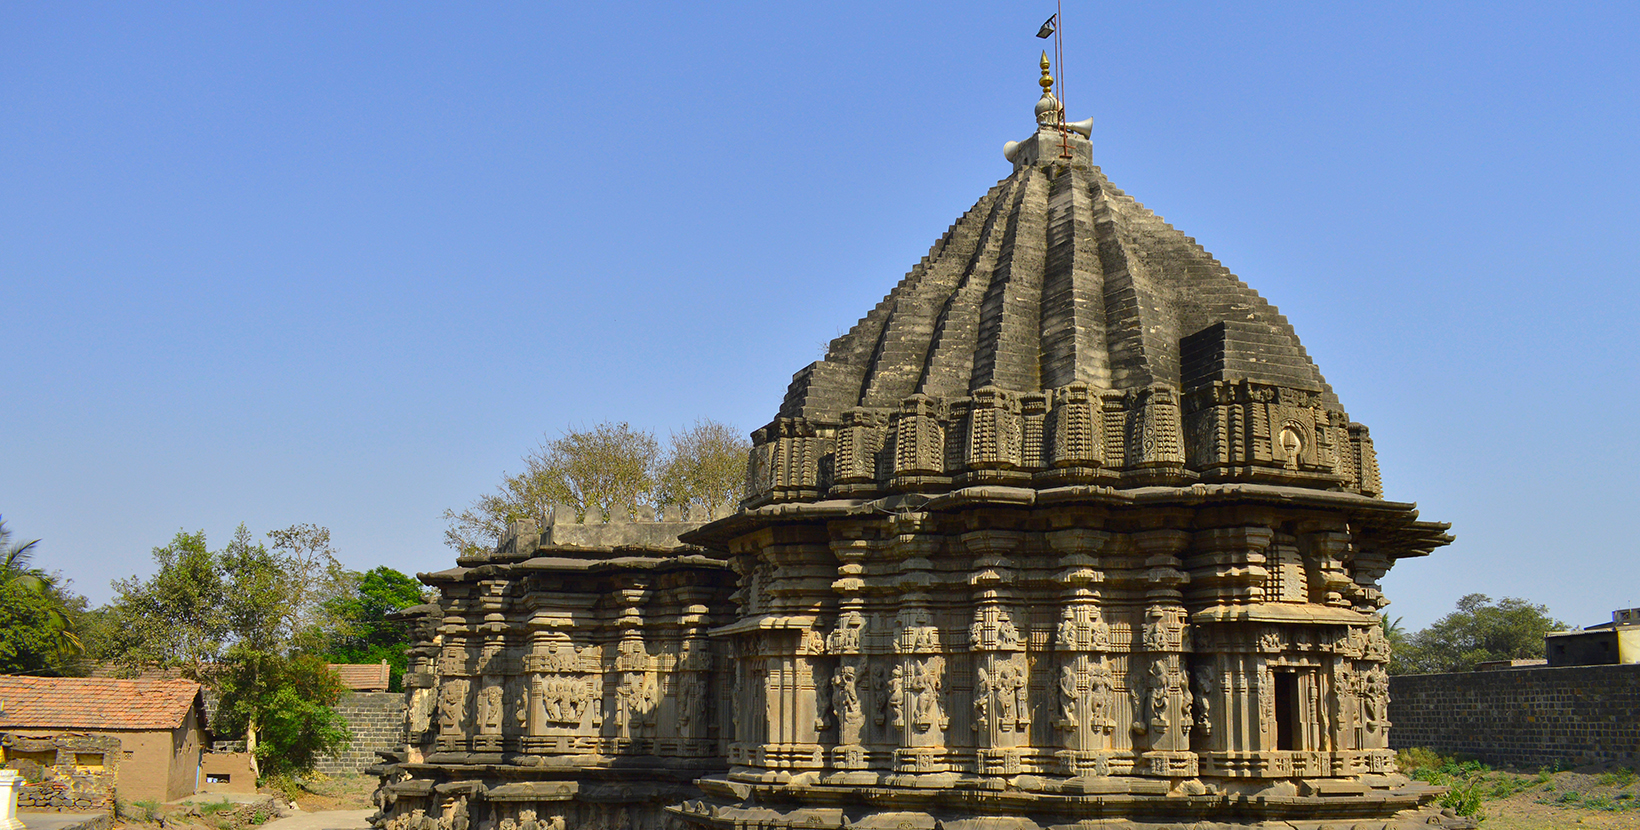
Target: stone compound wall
x,y
377,722
1528,718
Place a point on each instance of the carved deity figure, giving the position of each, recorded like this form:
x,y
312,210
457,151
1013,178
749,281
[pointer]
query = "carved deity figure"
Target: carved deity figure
x,y
1069,696
1204,693
1376,695
526,820
1089,633
1066,638
452,706
982,700
691,701
1155,703
489,710
1155,635
846,705
638,701
925,688
896,697
1101,693
1271,641
845,638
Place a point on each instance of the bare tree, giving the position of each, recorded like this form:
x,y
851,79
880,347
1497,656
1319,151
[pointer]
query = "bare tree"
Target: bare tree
x,y
591,471
705,467
606,468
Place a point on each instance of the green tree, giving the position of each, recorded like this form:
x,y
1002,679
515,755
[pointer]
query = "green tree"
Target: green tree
x,y
182,615
284,706
200,602
597,470
361,631
37,630
1479,631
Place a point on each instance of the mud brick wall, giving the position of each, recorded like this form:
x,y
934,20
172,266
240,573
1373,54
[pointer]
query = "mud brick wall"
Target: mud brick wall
x,y
1528,717
377,722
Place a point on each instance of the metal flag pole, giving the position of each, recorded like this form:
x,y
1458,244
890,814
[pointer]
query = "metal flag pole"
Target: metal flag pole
x,y
1059,57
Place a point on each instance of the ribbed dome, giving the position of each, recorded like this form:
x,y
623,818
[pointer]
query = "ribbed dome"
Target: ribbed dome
x,y
1096,343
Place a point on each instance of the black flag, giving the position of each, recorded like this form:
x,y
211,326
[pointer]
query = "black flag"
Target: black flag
x,y
1048,27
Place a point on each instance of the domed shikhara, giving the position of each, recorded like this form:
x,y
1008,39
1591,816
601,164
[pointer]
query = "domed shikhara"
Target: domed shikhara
x,y
1060,333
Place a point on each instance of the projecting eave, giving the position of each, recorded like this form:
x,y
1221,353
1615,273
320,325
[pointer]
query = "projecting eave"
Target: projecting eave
x,y
1388,525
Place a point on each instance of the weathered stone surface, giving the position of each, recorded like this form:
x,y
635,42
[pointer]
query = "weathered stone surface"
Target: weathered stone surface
x,y
1067,529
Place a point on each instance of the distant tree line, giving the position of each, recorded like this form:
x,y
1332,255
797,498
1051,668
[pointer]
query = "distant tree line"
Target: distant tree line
x,y
1478,631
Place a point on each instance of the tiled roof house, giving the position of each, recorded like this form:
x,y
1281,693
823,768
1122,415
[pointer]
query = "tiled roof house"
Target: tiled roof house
x,y
142,736
363,677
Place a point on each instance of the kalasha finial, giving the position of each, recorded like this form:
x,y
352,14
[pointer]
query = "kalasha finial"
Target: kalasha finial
x,y
1047,107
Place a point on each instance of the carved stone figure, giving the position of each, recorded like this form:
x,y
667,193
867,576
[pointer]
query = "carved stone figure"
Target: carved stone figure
x,y
896,697
452,706
691,702
846,705
489,710
1376,695
982,700
1101,699
822,704
1205,687
925,689
1070,697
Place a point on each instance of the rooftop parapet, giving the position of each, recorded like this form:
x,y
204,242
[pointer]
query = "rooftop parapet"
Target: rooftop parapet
x,y
625,528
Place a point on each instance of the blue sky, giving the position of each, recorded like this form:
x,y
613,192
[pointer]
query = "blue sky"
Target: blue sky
x,y
346,263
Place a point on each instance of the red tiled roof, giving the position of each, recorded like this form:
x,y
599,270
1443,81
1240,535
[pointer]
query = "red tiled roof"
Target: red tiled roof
x,y
363,677
94,702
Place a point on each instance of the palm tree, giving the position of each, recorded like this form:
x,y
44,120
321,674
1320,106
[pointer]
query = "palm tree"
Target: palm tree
x,y
17,570
16,560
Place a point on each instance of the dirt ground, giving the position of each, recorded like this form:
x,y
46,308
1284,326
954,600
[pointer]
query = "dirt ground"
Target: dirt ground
x,y
336,792
1597,798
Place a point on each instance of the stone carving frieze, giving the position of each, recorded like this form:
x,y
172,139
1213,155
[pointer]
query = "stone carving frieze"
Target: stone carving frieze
x,y
993,629
559,657
562,700
1081,628
847,636
915,634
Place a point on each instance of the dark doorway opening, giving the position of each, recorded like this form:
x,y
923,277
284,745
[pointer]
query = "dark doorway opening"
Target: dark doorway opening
x,y
1286,709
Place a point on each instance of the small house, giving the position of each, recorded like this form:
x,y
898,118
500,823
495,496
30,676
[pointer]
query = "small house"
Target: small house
x,y
79,741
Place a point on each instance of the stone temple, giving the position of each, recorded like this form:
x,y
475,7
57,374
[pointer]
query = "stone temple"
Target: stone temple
x,y
1068,531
